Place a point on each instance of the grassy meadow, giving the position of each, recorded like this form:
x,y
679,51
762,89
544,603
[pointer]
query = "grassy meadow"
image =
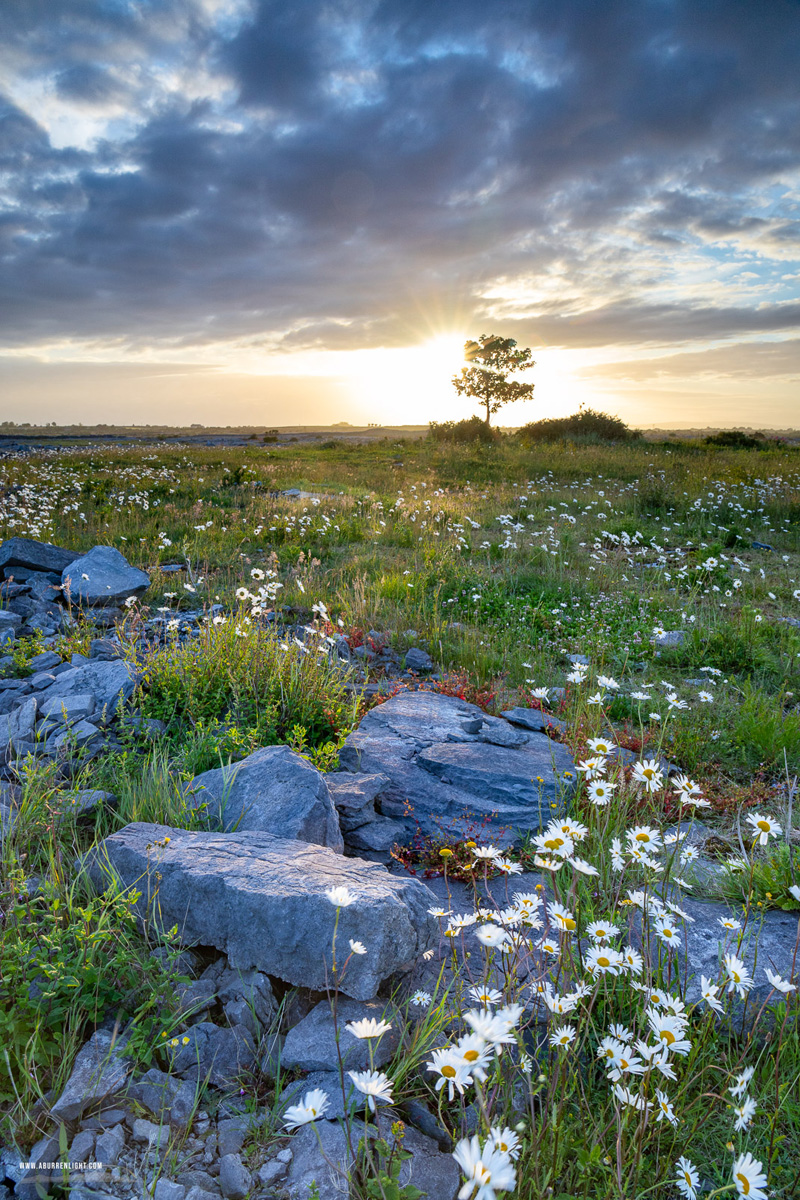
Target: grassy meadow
x,y
502,562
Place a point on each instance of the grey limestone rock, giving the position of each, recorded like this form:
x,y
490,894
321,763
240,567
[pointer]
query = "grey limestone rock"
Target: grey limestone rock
x,y
75,706
82,1146
535,720
37,556
311,1044
262,900
103,577
445,778
219,1054
234,1177
110,1145
419,660
168,1189
9,621
274,790
671,637
354,796
111,683
19,724
100,1072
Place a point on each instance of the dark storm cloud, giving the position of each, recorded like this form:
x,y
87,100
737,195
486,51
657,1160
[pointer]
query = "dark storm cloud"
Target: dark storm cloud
x,y
336,174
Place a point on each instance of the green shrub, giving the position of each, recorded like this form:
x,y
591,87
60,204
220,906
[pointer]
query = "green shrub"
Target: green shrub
x,y
735,439
471,430
254,682
587,424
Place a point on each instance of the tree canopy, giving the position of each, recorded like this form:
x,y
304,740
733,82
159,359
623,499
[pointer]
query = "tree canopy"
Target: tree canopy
x,y
492,359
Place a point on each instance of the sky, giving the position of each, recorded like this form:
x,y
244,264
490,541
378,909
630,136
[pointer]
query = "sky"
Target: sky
x,y
282,212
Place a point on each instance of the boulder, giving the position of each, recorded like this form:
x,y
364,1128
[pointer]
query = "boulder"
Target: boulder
x,y
448,777
262,900
273,790
37,556
102,577
311,1044
100,1072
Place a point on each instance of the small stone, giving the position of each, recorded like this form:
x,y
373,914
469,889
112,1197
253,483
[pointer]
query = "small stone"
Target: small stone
x,y
311,1045
272,1172
156,1136
100,1071
198,1193
419,660
234,1177
284,1156
109,1146
231,1134
168,1189
671,637
82,1146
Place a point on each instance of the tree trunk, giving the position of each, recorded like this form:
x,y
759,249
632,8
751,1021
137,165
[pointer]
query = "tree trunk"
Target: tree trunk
x,y
487,402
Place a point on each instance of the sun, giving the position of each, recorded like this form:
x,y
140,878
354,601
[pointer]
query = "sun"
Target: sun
x,y
410,384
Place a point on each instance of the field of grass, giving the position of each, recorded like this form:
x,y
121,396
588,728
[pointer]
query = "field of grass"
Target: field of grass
x,y
502,562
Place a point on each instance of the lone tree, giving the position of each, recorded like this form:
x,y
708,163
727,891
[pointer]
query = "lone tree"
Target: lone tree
x,y
492,360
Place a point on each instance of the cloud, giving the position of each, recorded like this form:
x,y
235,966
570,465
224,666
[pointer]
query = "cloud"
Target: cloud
x,y
345,175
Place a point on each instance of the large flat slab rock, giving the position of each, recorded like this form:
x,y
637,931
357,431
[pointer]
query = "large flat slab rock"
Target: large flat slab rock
x,y
103,577
274,790
455,771
261,899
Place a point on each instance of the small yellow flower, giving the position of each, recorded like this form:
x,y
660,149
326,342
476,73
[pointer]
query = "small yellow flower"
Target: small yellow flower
x,y
769,895
166,839
174,1042
185,1041
163,1033
471,845
445,853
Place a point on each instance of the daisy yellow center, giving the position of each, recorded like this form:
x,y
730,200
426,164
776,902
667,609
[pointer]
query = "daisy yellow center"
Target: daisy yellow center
x,y
643,837
763,825
482,1175
313,1111
603,961
668,933
745,1183
623,1062
569,923
648,772
554,843
449,1072
471,1055
667,1036
735,976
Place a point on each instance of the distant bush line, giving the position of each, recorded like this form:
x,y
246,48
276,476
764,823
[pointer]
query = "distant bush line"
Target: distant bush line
x,y
586,425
